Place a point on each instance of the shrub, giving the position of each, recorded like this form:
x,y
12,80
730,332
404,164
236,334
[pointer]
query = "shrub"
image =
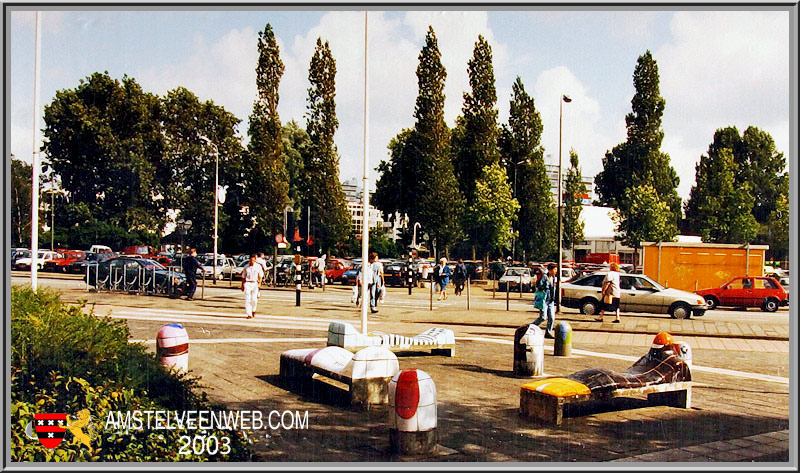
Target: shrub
x,y
65,360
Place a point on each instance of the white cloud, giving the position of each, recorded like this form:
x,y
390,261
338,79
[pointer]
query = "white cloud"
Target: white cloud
x,y
580,119
722,69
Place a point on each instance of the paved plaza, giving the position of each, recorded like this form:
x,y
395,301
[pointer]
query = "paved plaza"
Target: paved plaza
x,y
740,402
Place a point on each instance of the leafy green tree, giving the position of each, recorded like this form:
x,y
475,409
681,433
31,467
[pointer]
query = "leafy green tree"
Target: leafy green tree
x,y
265,180
645,218
492,213
295,142
520,145
104,140
758,163
718,208
639,160
397,186
20,203
574,190
778,229
323,192
475,137
191,162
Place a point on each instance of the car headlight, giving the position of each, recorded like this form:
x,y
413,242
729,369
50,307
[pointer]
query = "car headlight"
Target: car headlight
x,y
701,301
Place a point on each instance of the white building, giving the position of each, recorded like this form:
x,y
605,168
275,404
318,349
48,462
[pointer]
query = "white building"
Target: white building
x,y
355,206
552,174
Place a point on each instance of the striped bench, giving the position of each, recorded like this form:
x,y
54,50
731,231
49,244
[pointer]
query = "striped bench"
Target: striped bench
x,y
440,341
366,373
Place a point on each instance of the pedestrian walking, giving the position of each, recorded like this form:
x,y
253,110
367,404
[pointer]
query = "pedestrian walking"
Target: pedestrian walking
x,y
547,284
611,293
319,270
443,271
252,275
262,260
190,265
377,282
460,276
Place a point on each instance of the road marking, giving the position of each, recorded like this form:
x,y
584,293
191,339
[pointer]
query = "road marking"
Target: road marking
x,y
705,369
243,340
242,322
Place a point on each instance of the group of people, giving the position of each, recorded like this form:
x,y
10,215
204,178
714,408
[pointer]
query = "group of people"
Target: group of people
x,y
548,283
442,274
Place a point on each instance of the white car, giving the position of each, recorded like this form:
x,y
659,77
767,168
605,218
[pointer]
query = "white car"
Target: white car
x,y
41,258
513,278
638,293
224,266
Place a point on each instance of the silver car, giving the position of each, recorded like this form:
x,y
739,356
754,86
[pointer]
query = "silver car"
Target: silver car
x,y
638,293
515,277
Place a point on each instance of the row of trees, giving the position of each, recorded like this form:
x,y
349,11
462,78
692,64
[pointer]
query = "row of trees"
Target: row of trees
x,y
127,158
461,184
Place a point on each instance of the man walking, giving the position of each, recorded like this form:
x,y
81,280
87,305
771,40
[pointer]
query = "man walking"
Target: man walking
x,y
190,267
376,287
252,275
547,284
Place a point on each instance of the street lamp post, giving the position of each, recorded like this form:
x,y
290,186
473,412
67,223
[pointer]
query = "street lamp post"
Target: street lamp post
x,y
183,227
564,98
513,237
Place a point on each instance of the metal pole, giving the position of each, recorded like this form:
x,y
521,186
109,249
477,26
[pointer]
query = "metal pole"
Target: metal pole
x,y
52,220
203,288
432,284
298,279
468,283
216,220
561,101
508,291
520,286
35,159
410,273
365,197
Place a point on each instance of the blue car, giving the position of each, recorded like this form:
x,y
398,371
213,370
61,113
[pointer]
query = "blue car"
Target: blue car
x,y
350,276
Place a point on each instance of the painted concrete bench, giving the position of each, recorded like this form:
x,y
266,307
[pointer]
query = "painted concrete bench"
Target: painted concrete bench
x,y
366,373
664,375
440,341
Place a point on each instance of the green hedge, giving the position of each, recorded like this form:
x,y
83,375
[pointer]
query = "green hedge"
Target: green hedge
x,y
65,360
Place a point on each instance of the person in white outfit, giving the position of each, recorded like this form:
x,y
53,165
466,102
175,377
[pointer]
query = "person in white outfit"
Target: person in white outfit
x,y
611,293
252,275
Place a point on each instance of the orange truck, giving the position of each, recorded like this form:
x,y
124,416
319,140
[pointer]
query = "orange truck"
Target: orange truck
x,y
694,266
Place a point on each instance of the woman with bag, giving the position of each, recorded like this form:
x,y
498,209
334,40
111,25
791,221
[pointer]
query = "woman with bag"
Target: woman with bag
x,y
611,293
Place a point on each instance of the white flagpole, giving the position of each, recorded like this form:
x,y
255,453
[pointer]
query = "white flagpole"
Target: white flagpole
x,y
35,160
365,201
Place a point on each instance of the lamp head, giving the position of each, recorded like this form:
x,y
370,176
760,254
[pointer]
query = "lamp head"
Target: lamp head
x,y
566,98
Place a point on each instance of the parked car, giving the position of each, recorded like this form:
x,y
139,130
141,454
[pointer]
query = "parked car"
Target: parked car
x,y
79,266
764,292
17,253
42,257
134,274
395,273
513,277
223,264
100,249
638,293
335,267
64,263
349,277
474,269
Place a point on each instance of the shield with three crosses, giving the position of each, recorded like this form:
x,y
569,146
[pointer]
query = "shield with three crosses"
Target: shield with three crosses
x,y
50,428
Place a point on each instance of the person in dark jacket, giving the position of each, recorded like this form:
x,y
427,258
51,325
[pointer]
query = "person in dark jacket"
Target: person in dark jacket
x,y
547,284
460,276
190,267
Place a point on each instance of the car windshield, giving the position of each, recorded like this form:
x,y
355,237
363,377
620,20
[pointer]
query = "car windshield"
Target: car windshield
x,y
517,272
644,279
150,264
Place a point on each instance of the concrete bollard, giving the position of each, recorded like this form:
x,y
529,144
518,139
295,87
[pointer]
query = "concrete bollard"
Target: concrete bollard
x,y
563,340
529,351
412,413
172,345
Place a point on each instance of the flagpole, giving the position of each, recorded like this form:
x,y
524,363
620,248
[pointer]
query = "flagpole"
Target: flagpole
x,y
365,201
35,160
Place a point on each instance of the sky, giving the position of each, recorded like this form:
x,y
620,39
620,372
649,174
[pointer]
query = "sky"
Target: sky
x,y
718,67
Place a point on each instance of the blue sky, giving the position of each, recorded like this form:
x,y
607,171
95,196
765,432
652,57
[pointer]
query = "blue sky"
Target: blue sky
x,y
718,67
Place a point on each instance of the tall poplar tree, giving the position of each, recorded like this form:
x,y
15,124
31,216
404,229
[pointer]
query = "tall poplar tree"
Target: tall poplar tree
x,y
475,137
265,178
323,192
520,145
440,201
574,190
639,160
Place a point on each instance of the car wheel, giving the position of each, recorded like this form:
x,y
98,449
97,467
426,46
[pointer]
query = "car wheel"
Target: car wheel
x,y
711,302
589,307
680,310
770,305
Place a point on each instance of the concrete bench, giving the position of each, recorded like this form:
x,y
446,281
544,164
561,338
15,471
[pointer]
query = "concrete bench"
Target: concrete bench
x,y
440,341
538,402
366,373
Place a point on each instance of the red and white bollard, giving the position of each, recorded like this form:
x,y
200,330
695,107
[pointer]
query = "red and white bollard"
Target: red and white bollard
x,y
172,345
412,413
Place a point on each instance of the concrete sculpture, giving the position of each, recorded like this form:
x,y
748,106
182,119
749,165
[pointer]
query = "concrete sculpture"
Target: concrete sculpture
x,y
412,413
529,351
367,372
172,346
664,374
440,341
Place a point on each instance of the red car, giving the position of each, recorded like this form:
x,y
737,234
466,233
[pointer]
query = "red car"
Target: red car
x,y
335,267
63,264
764,292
